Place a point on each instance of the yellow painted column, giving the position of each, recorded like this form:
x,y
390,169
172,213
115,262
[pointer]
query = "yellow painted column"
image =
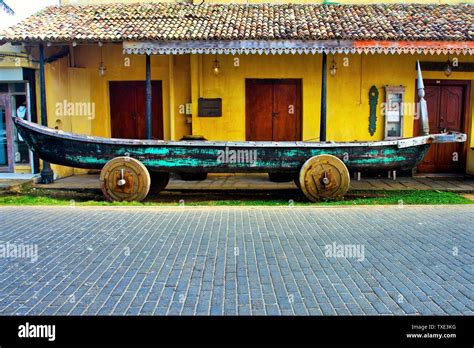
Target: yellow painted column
x,y
172,97
195,92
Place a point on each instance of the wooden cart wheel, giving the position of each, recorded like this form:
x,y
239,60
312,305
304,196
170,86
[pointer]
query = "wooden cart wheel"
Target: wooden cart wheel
x,y
159,180
124,179
324,176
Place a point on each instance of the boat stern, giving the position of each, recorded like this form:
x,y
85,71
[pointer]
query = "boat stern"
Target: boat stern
x,y
449,137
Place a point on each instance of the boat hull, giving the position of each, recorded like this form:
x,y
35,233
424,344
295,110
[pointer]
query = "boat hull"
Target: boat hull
x,y
197,156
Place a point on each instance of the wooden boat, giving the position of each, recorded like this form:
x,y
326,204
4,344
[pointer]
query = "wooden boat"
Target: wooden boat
x,y
128,165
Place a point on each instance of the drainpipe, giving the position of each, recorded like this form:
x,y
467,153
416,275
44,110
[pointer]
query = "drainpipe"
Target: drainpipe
x,y
148,98
322,126
47,174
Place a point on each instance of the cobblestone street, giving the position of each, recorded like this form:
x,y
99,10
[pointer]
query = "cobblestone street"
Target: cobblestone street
x,y
218,260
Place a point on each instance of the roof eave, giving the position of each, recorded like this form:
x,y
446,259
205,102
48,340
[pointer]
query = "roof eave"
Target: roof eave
x,y
297,46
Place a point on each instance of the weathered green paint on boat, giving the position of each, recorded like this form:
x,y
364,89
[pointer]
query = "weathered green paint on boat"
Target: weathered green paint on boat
x,y
203,156
208,159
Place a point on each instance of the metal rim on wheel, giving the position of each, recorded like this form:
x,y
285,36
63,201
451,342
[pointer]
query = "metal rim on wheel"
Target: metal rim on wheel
x,y
125,179
324,176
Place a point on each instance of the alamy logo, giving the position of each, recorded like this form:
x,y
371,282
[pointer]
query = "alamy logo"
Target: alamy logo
x,y
347,251
75,109
237,156
37,331
17,251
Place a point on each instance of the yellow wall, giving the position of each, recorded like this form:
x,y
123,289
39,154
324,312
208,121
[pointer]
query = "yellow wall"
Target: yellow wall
x,y
17,57
82,83
347,99
180,80
186,78
230,86
18,61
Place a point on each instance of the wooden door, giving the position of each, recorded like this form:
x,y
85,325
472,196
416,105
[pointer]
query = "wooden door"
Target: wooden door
x,y
447,105
273,109
259,109
287,110
432,96
127,109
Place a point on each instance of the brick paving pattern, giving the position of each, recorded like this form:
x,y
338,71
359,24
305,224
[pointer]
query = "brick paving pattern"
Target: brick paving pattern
x,y
165,261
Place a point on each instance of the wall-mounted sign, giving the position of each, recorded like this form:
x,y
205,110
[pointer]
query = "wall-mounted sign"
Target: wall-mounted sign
x,y
208,107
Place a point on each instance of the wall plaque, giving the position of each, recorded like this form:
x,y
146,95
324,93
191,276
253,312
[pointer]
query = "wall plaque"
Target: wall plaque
x,y
210,107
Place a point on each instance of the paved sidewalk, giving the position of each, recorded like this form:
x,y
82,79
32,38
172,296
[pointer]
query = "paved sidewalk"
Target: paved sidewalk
x,y
13,181
116,260
261,182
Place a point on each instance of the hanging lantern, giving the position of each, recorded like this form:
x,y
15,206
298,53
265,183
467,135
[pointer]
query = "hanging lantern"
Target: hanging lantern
x,y
448,68
102,69
216,68
333,67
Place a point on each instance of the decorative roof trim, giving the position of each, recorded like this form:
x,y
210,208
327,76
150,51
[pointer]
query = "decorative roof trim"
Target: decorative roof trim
x,y
297,47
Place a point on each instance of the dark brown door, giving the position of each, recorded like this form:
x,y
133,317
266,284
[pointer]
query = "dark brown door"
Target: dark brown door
x,y
447,104
273,109
127,109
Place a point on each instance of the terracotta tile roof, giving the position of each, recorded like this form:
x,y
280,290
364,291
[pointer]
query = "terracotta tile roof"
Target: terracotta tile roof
x,y
165,21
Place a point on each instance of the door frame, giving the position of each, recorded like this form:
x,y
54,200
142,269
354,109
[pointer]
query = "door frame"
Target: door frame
x,y
466,110
5,100
298,107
